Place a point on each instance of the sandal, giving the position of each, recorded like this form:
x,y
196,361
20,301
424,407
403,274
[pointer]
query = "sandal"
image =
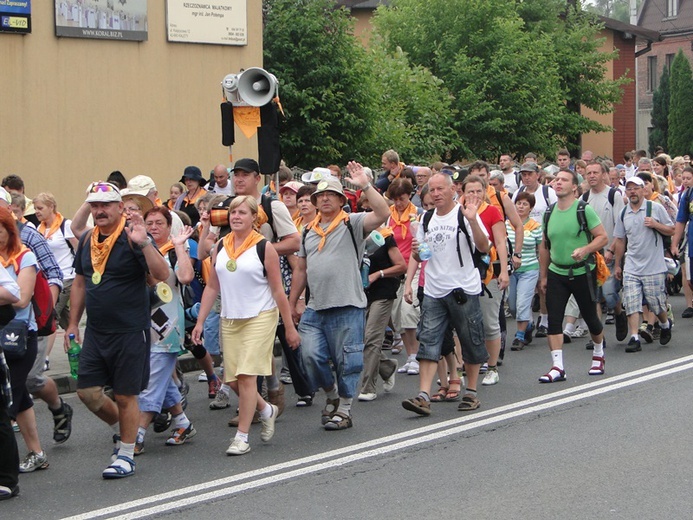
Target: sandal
x,y
452,394
342,423
439,396
115,470
469,402
553,376
597,368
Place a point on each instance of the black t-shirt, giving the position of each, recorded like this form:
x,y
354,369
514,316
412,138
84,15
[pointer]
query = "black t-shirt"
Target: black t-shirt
x,y
120,301
382,288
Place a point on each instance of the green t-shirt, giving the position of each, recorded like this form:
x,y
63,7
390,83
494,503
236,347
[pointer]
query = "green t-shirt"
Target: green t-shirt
x,y
565,236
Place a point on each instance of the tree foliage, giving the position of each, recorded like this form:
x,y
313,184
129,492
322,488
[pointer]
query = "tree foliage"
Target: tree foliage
x,y
659,135
680,137
519,71
616,9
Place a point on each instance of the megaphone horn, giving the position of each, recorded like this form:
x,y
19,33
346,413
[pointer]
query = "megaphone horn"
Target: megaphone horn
x,y
256,86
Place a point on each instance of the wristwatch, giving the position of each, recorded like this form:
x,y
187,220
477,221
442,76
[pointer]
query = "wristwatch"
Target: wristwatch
x,y
145,243
518,255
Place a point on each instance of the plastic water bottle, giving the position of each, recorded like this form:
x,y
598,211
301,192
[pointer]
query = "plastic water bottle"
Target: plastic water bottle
x,y
73,356
424,251
365,271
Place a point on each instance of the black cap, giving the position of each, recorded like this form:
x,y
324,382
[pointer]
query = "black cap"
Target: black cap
x,y
192,172
247,165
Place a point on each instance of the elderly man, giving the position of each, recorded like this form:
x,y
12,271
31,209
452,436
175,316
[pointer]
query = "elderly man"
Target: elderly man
x,y
422,174
112,264
332,326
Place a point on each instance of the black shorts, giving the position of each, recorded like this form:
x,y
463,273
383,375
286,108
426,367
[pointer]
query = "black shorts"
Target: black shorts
x,y
19,371
117,360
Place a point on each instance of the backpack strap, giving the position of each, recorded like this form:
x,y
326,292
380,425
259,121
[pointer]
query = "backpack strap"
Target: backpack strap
x,y
347,222
426,219
69,245
266,203
612,196
259,247
586,196
499,198
545,192
547,216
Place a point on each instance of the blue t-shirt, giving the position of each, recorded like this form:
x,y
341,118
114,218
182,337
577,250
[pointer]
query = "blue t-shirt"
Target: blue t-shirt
x,y
684,215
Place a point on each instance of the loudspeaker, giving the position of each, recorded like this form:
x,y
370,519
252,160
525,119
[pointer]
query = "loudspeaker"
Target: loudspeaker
x,y
256,86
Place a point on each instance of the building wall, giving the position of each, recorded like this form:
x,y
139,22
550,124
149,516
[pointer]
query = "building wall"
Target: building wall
x,y
74,109
660,50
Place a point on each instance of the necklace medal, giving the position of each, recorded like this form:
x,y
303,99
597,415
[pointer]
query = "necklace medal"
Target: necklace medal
x,y
231,265
96,278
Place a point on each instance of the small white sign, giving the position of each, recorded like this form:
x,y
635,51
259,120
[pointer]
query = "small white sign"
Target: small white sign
x,y
221,22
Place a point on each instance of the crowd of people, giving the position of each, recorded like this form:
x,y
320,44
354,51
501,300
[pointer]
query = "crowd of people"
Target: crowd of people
x,y
431,260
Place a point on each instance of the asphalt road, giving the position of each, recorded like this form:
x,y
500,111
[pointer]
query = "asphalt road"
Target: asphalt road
x,y
614,446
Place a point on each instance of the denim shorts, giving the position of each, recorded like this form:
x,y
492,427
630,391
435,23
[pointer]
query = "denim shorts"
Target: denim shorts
x,y
161,392
467,320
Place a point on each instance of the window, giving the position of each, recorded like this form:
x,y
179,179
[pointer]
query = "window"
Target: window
x,y
652,79
668,60
672,8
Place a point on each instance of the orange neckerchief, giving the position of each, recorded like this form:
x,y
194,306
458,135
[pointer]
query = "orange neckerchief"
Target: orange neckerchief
x,y
230,247
55,226
201,192
482,208
297,214
158,202
407,214
261,216
100,251
342,216
655,196
402,166
530,225
386,231
171,204
166,248
13,259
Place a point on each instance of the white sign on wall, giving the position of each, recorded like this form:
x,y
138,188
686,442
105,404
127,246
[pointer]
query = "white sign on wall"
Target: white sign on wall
x,y
222,22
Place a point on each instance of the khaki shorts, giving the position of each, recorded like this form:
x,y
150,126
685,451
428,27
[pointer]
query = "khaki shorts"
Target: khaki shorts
x,y
405,315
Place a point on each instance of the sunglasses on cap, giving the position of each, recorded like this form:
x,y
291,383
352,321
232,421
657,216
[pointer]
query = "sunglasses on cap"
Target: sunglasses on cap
x,y
103,187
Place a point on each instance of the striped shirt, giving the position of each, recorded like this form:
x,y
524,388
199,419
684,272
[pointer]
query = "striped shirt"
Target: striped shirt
x,y
530,245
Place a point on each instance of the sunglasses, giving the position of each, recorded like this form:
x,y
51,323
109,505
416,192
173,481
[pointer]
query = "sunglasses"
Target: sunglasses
x,y
102,187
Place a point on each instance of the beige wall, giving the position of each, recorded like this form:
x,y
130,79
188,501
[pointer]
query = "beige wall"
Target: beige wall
x,y
73,110
602,144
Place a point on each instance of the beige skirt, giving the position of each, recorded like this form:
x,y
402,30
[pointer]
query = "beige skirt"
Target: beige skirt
x,y
248,344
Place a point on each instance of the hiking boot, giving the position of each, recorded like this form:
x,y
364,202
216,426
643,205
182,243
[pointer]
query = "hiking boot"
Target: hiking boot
x,y
32,462
162,422
62,423
417,405
180,435
221,401
656,332
646,333
621,326
517,344
633,345
541,332
213,387
491,378
528,333
665,335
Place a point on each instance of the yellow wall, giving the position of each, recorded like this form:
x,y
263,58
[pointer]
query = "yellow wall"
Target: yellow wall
x,y
72,110
602,144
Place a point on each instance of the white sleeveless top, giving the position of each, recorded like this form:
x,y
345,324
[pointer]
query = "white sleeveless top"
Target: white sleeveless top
x,y
245,292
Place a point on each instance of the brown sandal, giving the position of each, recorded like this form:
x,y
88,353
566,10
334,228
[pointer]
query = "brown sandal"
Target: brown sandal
x,y
454,394
440,395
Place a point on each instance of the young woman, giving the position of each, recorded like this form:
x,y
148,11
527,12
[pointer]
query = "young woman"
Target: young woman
x,y
248,326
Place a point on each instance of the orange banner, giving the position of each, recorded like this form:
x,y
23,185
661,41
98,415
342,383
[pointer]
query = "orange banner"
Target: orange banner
x,y
247,119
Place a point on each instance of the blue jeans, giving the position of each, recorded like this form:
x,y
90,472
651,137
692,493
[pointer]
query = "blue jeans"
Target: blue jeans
x,y
333,335
161,392
521,292
211,333
610,289
437,314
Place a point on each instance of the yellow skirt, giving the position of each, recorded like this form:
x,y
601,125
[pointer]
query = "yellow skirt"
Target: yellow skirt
x,y
248,344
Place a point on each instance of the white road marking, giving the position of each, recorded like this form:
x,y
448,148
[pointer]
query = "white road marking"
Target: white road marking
x,y
264,476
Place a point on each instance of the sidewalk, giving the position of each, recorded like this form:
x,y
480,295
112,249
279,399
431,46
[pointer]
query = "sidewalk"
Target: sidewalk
x,y
60,368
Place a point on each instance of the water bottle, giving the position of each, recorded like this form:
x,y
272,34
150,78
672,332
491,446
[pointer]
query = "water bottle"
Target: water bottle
x,y
424,251
365,271
73,356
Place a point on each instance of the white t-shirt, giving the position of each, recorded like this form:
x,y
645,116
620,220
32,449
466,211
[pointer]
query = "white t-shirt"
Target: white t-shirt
x,y
540,204
61,251
443,271
228,190
510,181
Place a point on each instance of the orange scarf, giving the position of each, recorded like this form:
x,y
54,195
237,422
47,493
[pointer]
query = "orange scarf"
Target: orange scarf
x,y
100,251
530,225
408,214
13,259
386,231
342,216
655,196
55,226
166,248
201,192
297,214
261,216
171,204
230,247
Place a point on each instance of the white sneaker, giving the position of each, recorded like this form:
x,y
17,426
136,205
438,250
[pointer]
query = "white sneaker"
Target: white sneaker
x,y
202,378
579,332
389,383
221,401
413,369
268,425
238,447
404,368
491,378
367,397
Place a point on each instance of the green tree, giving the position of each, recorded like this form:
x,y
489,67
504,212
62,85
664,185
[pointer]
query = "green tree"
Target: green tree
x,y
680,137
326,86
659,135
519,71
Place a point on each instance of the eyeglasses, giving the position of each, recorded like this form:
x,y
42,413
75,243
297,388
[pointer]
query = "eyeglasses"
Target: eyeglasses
x,y
103,187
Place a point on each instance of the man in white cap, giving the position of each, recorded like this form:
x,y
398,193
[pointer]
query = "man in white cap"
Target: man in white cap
x,y
643,224
111,265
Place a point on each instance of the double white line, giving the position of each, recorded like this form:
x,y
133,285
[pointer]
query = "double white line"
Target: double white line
x,y
228,486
